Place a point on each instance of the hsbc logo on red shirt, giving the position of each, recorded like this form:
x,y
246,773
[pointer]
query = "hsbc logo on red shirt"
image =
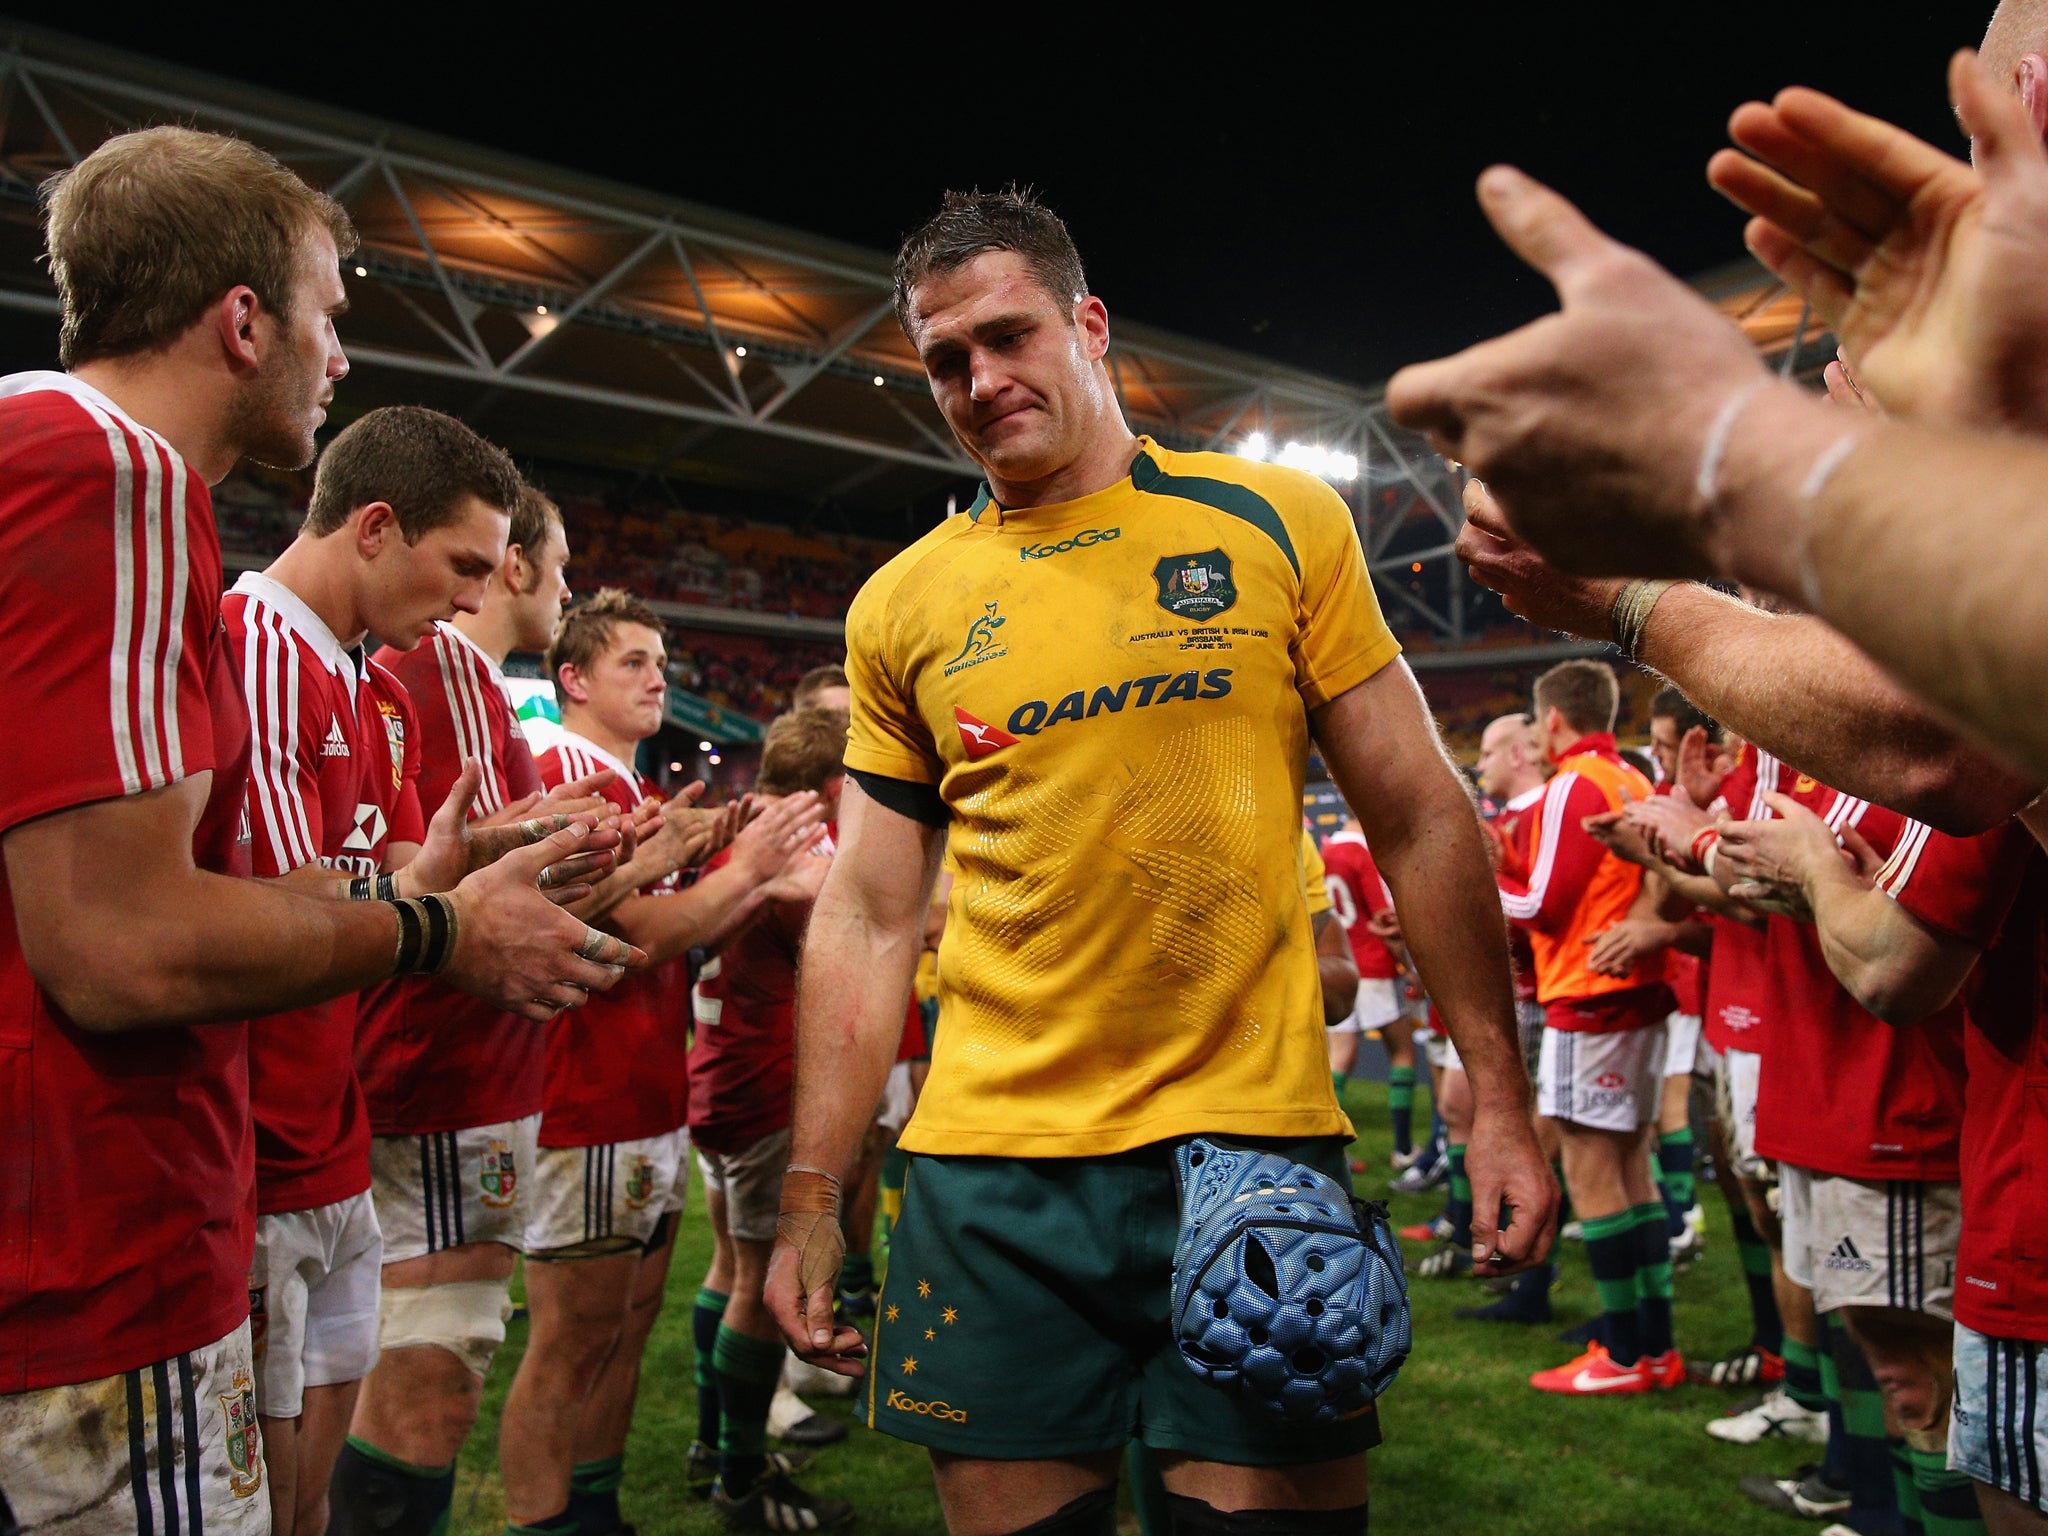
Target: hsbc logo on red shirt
x,y
979,737
1610,1080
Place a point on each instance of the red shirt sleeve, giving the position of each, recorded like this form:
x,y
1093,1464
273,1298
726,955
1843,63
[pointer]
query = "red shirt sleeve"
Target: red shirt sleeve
x,y
103,649
1959,886
286,827
1567,857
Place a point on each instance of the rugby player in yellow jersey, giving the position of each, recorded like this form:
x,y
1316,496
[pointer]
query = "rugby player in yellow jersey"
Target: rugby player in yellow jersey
x,y
1096,688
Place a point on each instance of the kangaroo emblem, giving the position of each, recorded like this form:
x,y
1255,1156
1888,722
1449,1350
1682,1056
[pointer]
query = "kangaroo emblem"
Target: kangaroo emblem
x,y
980,635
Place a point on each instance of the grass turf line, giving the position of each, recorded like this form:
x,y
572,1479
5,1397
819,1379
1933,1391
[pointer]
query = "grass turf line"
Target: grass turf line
x,y
1470,1447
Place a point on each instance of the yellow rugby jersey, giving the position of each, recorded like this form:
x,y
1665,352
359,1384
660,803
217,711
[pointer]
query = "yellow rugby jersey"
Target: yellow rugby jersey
x,y
1315,879
1105,701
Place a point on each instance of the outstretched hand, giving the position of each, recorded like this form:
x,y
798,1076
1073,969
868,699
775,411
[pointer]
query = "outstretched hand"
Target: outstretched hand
x,y
456,847
1929,271
1588,425
1530,586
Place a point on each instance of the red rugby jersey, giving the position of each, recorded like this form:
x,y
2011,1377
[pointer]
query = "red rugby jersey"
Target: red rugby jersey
x,y
432,1058
1992,891
1516,824
1740,1000
618,1068
319,787
1356,893
744,1005
1841,1091
126,1160
1683,973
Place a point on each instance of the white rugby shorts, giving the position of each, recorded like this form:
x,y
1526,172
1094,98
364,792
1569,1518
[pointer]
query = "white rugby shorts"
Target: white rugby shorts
x,y
751,1182
592,1201
313,1288
1604,1082
1681,1044
1735,1077
1998,1425
453,1187
171,1447
1378,1006
1871,1242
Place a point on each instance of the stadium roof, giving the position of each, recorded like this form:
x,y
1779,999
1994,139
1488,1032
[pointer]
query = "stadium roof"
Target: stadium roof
x,y
577,319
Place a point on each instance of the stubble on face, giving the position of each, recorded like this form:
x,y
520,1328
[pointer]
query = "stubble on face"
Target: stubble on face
x,y
286,403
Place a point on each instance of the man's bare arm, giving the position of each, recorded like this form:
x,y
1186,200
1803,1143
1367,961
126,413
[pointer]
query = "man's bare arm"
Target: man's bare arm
x,y
1790,684
124,932
716,907
1382,749
860,955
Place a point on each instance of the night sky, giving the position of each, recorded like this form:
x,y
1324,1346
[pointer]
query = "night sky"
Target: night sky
x,y
1274,182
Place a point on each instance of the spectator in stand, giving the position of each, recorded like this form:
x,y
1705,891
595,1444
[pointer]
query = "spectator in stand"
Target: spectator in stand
x,y
822,688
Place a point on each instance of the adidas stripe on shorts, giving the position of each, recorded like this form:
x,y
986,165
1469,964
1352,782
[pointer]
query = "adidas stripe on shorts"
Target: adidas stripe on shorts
x,y
179,1450
1998,1427
1871,1242
591,1201
453,1187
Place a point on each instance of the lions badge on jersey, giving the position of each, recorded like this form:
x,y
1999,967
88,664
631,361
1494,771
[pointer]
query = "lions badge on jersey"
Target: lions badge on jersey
x,y
1195,587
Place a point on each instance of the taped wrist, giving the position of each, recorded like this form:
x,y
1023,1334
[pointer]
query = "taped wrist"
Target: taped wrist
x,y
426,935
809,1223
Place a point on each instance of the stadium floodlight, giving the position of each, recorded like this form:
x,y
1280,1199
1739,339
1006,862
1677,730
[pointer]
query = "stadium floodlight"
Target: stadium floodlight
x,y
675,767
540,309
879,381
716,759
703,746
739,351
362,271
1325,463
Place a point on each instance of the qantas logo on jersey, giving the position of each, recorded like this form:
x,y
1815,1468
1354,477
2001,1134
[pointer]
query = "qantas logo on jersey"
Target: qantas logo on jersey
x,y
336,744
979,737
1035,715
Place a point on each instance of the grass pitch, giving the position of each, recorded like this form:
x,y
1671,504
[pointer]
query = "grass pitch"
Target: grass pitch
x,y
1470,1447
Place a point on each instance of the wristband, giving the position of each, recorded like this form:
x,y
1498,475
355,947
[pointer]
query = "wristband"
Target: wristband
x,y
1703,842
426,935
1816,480
1707,478
1630,615
373,888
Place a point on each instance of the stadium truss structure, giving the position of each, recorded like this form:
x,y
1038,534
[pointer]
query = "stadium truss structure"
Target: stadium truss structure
x,y
577,319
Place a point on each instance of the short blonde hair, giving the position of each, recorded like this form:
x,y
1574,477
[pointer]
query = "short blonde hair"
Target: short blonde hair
x,y
586,630
804,749
152,227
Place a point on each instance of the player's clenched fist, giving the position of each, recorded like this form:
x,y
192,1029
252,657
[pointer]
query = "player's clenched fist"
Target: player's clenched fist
x,y
516,948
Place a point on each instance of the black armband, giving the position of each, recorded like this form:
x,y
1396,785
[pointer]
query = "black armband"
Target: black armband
x,y
426,935
920,802
373,888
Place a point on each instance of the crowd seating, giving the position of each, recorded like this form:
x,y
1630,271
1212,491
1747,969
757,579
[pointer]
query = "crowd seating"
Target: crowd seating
x,y
751,674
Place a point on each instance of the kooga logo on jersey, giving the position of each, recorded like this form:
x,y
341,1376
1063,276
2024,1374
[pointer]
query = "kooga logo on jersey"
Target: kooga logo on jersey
x,y
1035,715
1081,540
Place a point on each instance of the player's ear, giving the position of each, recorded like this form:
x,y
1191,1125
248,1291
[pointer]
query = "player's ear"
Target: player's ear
x,y
1091,319
233,318
2033,85
376,525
